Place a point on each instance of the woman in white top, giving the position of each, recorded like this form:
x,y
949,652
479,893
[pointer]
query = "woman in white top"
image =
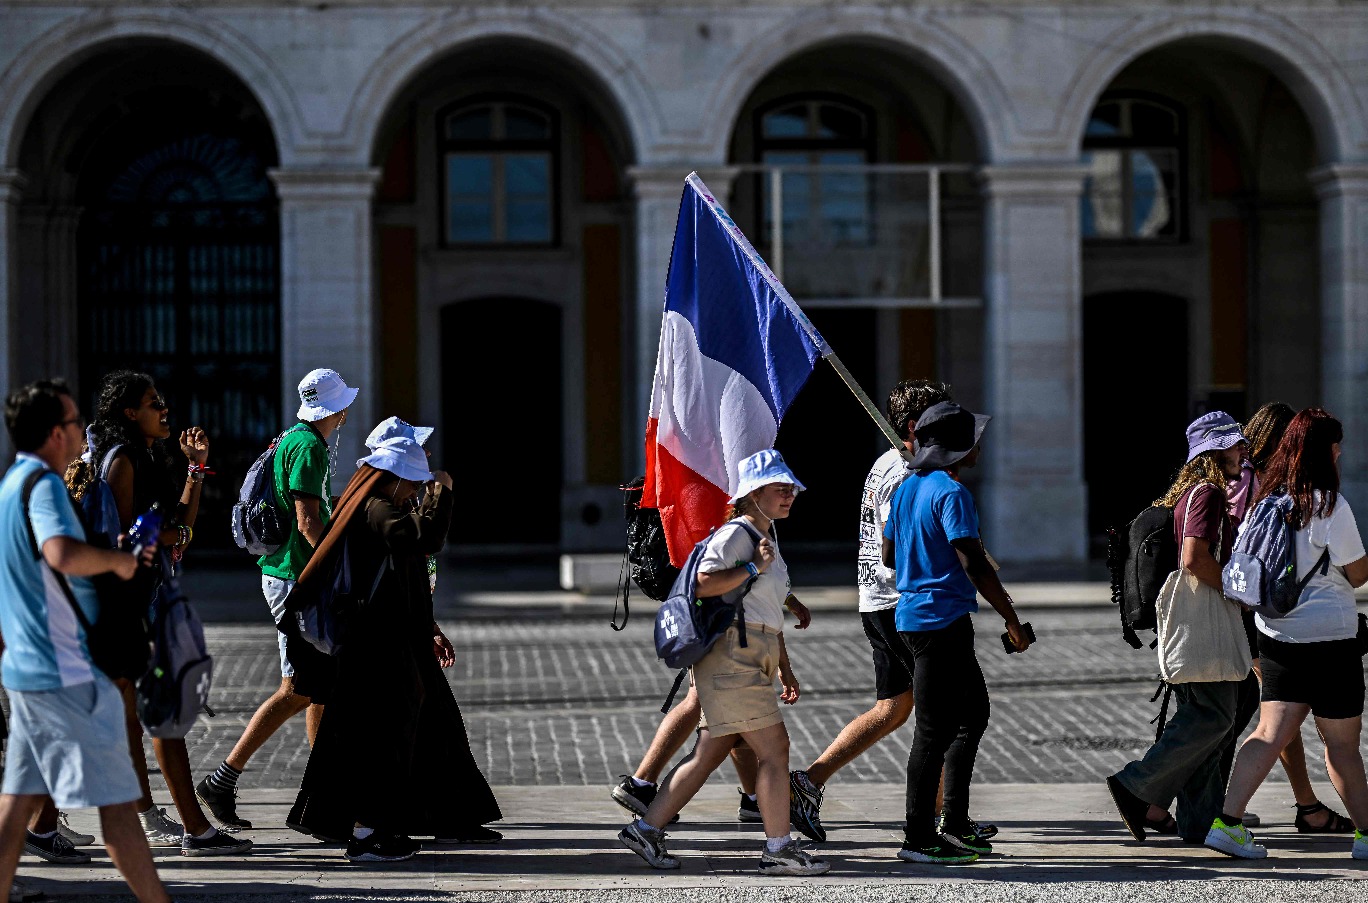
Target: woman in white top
x,y
1311,658
735,683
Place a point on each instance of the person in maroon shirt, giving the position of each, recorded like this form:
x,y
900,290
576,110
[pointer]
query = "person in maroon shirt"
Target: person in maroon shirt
x,y
1189,762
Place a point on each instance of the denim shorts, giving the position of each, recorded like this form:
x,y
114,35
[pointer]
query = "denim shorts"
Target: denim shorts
x,y
276,590
71,744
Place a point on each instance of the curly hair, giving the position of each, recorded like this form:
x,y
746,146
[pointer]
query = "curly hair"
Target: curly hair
x,y
1304,464
1202,469
741,507
909,399
1265,430
118,390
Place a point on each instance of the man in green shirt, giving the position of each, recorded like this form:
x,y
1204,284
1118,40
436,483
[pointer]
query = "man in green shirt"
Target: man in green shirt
x,y
303,486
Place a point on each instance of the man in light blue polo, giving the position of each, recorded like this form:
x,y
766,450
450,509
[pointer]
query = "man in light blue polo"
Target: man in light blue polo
x,y
67,734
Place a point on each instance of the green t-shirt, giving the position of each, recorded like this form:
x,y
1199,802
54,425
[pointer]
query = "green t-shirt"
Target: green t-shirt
x,y
301,469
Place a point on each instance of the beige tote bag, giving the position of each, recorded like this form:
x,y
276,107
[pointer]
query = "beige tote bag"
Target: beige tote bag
x,y
1201,634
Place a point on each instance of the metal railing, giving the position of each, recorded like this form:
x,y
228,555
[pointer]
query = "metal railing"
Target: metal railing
x,y
864,235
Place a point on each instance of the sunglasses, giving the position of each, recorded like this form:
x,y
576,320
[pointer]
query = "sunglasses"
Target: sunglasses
x,y
157,404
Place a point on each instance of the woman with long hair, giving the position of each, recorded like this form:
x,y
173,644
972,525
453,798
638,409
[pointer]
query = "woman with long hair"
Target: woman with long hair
x,y
1311,657
735,682
127,448
1264,431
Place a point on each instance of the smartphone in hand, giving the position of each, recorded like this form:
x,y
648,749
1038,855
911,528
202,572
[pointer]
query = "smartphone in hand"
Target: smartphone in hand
x,y
1007,643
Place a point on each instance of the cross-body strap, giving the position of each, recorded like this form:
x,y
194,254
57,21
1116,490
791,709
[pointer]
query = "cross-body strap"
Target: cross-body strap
x,y
29,485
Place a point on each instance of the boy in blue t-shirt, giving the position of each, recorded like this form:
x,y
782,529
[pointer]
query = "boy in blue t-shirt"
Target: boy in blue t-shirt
x,y
931,540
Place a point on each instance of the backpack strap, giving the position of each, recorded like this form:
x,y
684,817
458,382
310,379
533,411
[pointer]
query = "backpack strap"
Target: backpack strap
x,y
740,602
674,689
108,461
1322,566
30,483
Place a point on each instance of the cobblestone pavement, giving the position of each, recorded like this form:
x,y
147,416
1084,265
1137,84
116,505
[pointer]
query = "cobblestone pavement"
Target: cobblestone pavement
x,y
569,701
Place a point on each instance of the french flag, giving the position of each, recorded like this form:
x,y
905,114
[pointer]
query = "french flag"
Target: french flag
x,y
734,351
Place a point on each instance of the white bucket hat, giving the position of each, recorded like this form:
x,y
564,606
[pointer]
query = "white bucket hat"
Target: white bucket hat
x,y
392,427
322,393
402,457
761,469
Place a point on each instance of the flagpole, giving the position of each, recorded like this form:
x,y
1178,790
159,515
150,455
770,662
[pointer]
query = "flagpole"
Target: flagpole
x,y
898,442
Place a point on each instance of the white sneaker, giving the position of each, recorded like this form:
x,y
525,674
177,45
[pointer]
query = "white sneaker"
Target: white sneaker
x,y
1235,841
160,828
791,859
76,838
1360,848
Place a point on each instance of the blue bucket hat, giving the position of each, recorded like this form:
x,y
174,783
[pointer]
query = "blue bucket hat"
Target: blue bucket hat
x,y
761,469
393,427
1212,431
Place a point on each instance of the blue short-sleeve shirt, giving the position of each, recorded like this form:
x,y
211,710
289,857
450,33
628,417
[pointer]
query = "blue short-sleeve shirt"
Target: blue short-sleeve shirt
x,y
928,512
45,647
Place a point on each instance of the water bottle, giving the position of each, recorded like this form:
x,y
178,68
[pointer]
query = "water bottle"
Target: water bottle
x,y
146,529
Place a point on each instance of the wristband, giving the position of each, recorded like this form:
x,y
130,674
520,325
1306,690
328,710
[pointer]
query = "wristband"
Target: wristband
x,y
752,569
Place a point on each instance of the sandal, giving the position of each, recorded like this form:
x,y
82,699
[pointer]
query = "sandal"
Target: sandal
x,y
1166,825
1334,822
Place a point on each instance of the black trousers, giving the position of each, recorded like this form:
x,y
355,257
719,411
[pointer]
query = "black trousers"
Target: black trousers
x,y
951,716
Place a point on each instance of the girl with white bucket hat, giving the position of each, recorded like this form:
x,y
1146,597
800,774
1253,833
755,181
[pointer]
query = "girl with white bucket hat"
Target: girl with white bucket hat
x,y
735,682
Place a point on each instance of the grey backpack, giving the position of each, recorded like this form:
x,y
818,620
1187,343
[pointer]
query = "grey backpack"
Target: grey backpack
x,y
176,688
1262,572
260,526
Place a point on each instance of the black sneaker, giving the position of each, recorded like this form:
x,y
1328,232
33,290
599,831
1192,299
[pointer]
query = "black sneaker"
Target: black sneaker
x,y
936,852
54,849
1131,808
969,841
380,847
982,832
217,844
649,844
634,797
805,806
222,804
749,810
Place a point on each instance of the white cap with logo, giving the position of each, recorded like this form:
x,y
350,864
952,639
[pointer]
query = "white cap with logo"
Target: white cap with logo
x,y
322,393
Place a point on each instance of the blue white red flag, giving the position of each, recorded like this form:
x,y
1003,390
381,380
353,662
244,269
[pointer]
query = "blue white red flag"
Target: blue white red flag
x,y
734,351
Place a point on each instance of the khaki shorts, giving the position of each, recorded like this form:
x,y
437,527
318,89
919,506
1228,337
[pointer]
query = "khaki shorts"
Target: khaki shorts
x,y
736,685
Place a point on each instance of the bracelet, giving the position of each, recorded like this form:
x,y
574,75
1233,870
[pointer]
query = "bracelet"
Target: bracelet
x,y
752,569
198,472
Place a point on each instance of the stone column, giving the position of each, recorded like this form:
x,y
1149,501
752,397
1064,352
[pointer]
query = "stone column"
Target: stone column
x,y
1034,503
12,183
327,311
1343,192
657,190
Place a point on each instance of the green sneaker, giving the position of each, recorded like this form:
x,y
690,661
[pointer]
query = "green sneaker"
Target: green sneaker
x,y
936,852
1360,849
1236,840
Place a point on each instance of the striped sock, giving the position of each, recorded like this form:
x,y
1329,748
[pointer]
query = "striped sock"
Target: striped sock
x,y
225,778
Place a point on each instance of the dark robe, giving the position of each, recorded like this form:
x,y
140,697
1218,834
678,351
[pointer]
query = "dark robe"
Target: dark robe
x,y
392,751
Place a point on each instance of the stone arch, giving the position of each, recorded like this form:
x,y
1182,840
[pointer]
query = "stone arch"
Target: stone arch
x,y
1329,101
590,51
957,65
46,60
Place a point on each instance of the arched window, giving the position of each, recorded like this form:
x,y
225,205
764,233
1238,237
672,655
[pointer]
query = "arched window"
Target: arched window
x,y
499,172
1134,188
818,131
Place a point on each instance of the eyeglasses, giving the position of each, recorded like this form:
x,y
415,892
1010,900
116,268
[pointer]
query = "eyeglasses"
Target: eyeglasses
x,y
79,421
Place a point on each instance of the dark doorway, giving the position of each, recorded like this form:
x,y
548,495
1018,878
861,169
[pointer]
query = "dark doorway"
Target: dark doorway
x,y
502,429
179,276
1135,404
828,439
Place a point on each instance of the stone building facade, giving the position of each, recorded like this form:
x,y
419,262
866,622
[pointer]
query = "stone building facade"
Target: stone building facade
x,y
1094,219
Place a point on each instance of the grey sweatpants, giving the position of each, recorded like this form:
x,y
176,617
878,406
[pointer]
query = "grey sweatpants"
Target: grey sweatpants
x,y
1185,763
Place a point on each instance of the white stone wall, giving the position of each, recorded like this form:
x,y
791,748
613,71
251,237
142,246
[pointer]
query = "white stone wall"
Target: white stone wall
x,y
1026,75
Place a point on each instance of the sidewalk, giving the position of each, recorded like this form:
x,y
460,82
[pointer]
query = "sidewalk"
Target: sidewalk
x,y
1059,843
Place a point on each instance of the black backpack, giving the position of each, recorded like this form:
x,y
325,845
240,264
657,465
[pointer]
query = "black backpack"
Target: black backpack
x,y
259,525
1140,560
647,559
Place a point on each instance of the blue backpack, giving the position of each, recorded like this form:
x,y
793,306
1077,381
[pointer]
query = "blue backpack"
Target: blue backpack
x,y
686,627
1262,572
98,509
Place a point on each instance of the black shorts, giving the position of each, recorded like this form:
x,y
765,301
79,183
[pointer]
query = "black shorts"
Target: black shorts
x,y
892,658
1326,676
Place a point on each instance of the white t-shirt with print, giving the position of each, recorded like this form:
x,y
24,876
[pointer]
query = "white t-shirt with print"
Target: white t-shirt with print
x,y
732,546
1326,609
876,582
